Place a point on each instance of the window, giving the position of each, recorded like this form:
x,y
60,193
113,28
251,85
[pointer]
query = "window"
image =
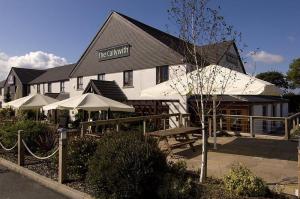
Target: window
x,y
0,91
101,76
44,89
162,74
38,89
49,88
62,86
128,78
79,83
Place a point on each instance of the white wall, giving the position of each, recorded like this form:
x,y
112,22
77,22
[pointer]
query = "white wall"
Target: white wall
x,y
44,87
142,79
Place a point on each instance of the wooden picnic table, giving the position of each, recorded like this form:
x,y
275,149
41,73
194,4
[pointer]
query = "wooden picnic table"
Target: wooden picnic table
x,y
183,132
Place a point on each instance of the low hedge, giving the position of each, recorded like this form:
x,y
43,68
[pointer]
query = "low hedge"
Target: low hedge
x,y
38,136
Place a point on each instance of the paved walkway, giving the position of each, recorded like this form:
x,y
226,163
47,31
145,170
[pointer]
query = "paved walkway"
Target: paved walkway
x,y
16,186
272,159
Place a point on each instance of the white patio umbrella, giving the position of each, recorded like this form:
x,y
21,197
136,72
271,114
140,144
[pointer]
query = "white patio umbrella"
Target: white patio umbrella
x,y
90,102
217,80
31,102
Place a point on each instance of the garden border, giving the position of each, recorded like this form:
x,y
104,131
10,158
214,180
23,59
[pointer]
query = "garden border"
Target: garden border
x,y
60,188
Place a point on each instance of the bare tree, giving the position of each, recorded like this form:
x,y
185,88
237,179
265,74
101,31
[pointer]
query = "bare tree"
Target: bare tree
x,y
201,29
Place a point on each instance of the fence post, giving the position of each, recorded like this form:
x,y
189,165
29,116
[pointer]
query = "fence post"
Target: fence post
x,y
221,123
62,173
286,129
20,148
144,127
164,123
117,126
251,127
180,120
82,131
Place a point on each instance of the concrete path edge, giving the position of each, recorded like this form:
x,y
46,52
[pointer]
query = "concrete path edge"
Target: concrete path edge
x,y
51,184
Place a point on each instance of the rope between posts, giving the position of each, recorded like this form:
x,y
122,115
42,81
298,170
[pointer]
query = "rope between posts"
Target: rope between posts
x,y
38,157
8,149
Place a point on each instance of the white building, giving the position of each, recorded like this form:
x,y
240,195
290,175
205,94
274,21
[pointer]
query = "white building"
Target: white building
x,y
127,56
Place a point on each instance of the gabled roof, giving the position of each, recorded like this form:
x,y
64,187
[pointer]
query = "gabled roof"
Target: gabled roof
x,y
26,75
109,89
155,42
54,74
212,52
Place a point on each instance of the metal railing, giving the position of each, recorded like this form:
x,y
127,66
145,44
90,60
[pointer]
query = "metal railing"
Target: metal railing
x,y
256,124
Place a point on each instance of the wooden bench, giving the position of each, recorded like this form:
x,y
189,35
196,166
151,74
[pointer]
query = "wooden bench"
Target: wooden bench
x,y
180,135
180,144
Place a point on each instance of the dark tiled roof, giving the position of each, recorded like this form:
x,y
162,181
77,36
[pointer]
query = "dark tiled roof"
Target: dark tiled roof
x,y
213,52
58,96
54,74
108,89
26,75
150,47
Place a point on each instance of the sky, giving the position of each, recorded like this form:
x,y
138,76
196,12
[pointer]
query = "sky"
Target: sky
x,y
48,33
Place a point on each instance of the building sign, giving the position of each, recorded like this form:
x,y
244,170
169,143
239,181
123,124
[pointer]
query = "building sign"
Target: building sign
x,y
114,52
11,80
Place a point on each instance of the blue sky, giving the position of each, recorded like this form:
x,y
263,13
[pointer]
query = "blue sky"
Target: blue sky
x,y
53,32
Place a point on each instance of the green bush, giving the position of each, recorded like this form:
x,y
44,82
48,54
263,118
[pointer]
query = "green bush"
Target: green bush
x,y
80,151
38,136
177,184
241,181
27,115
6,114
126,165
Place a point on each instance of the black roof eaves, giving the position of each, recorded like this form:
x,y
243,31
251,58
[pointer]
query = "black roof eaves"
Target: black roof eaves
x,y
243,67
44,82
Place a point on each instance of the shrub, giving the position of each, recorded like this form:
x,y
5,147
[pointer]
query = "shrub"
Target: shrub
x,y
7,113
38,136
241,181
126,165
80,151
27,115
177,184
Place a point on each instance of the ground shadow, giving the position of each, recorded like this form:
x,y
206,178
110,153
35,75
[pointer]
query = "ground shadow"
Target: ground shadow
x,y
264,148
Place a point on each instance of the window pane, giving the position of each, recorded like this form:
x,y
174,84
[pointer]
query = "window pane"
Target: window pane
x,y
128,78
162,74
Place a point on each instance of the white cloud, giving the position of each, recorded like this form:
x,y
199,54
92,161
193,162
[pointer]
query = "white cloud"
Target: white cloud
x,y
35,60
291,38
265,57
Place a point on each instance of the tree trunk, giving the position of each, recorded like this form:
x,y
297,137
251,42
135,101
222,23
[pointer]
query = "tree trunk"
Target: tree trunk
x,y
203,173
